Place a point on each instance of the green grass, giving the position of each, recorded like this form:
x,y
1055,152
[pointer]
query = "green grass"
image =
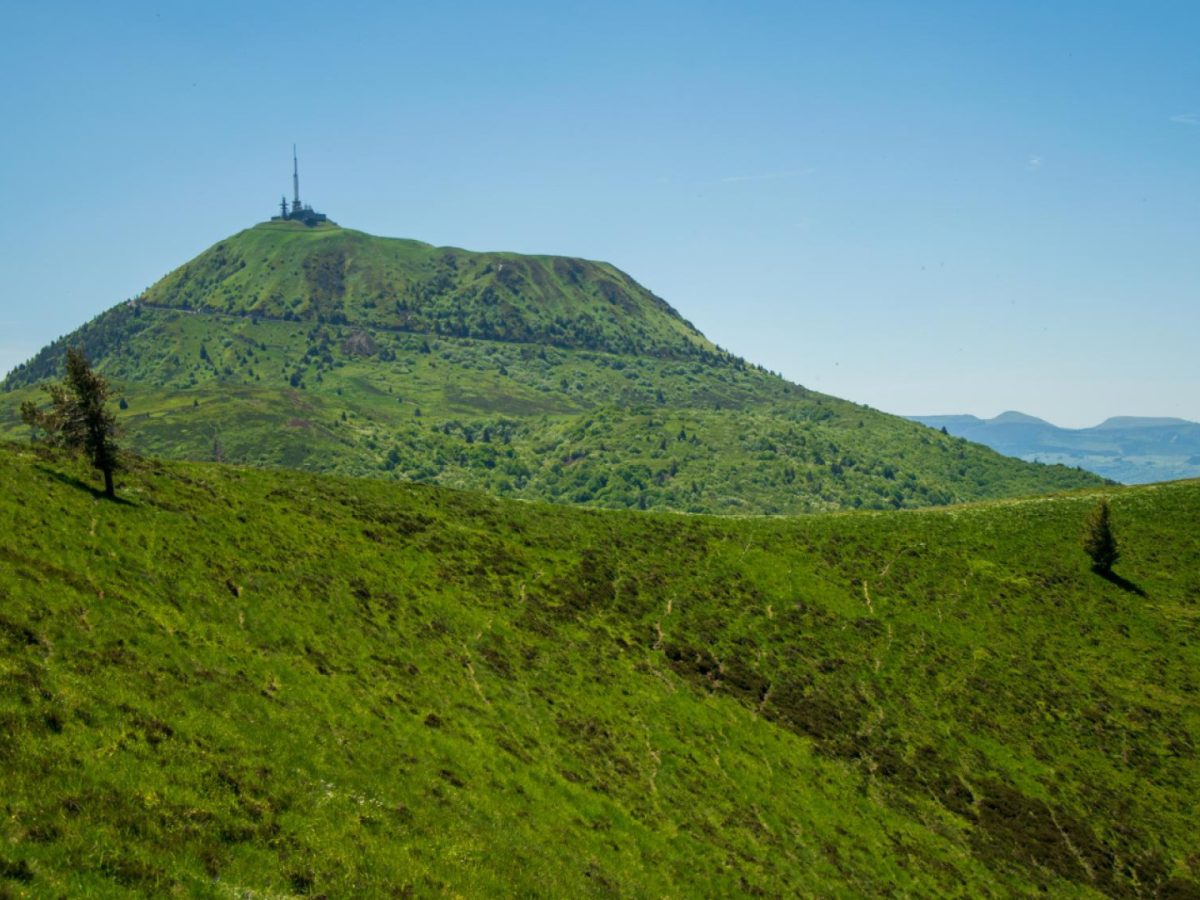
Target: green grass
x,y
244,682
330,350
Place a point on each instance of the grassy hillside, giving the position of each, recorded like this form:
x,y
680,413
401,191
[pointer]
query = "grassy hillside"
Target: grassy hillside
x,y
568,383
243,682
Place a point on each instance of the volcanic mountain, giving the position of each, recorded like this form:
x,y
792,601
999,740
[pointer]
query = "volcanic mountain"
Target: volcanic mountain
x,y
537,377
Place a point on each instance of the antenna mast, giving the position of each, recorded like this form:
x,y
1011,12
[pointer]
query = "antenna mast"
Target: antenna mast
x,y
295,180
298,212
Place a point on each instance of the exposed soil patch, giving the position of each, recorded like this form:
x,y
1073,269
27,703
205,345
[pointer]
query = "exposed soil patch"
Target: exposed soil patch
x,y
359,344
325,272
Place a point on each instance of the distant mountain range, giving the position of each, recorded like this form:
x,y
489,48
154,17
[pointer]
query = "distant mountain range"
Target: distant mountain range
x,y
1130,449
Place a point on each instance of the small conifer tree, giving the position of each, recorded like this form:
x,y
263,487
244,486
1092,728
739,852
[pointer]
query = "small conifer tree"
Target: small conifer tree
x,y
78,418
1099,542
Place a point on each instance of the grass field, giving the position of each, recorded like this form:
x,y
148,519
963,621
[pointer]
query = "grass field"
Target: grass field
x,y
245,682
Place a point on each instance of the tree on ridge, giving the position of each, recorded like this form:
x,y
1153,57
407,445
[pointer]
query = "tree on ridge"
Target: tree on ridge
x,y
78,418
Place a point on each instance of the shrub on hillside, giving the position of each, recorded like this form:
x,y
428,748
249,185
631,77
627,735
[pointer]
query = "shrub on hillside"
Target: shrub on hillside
x,y
1099,542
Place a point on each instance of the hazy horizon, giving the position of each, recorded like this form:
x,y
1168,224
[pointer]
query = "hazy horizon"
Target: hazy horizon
x,y
931,209
986,418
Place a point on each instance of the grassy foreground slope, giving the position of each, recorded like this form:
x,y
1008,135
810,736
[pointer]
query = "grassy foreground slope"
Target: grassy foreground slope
x,y
243,682
542,378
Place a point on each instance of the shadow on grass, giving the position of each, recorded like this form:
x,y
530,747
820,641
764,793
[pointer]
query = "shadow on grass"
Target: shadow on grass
x,y
74,482
1123,583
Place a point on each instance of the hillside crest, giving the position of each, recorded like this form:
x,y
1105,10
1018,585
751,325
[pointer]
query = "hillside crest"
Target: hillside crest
x,y
341,276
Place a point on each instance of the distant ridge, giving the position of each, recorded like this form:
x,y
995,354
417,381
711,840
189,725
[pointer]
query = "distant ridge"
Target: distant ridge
x,y
1141,422
1012,417
1130,449
1015,417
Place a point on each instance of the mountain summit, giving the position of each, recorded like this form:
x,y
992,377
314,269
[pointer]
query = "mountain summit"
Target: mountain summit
x,y
287,271
1012,417
542,377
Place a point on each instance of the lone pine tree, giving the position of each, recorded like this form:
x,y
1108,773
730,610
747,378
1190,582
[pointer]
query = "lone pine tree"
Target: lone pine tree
x,y
1099,542
78,418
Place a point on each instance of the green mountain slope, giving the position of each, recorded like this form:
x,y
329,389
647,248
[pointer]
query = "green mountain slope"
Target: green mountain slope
x,y
532,377
241,682
334,275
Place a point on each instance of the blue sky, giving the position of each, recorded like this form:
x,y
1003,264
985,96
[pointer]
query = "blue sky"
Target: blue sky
x,y
927,207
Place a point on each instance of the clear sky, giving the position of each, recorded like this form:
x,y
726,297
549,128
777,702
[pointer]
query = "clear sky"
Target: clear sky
x,y
930,207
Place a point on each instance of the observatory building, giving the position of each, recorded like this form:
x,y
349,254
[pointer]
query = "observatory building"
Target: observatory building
x,y
299,212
